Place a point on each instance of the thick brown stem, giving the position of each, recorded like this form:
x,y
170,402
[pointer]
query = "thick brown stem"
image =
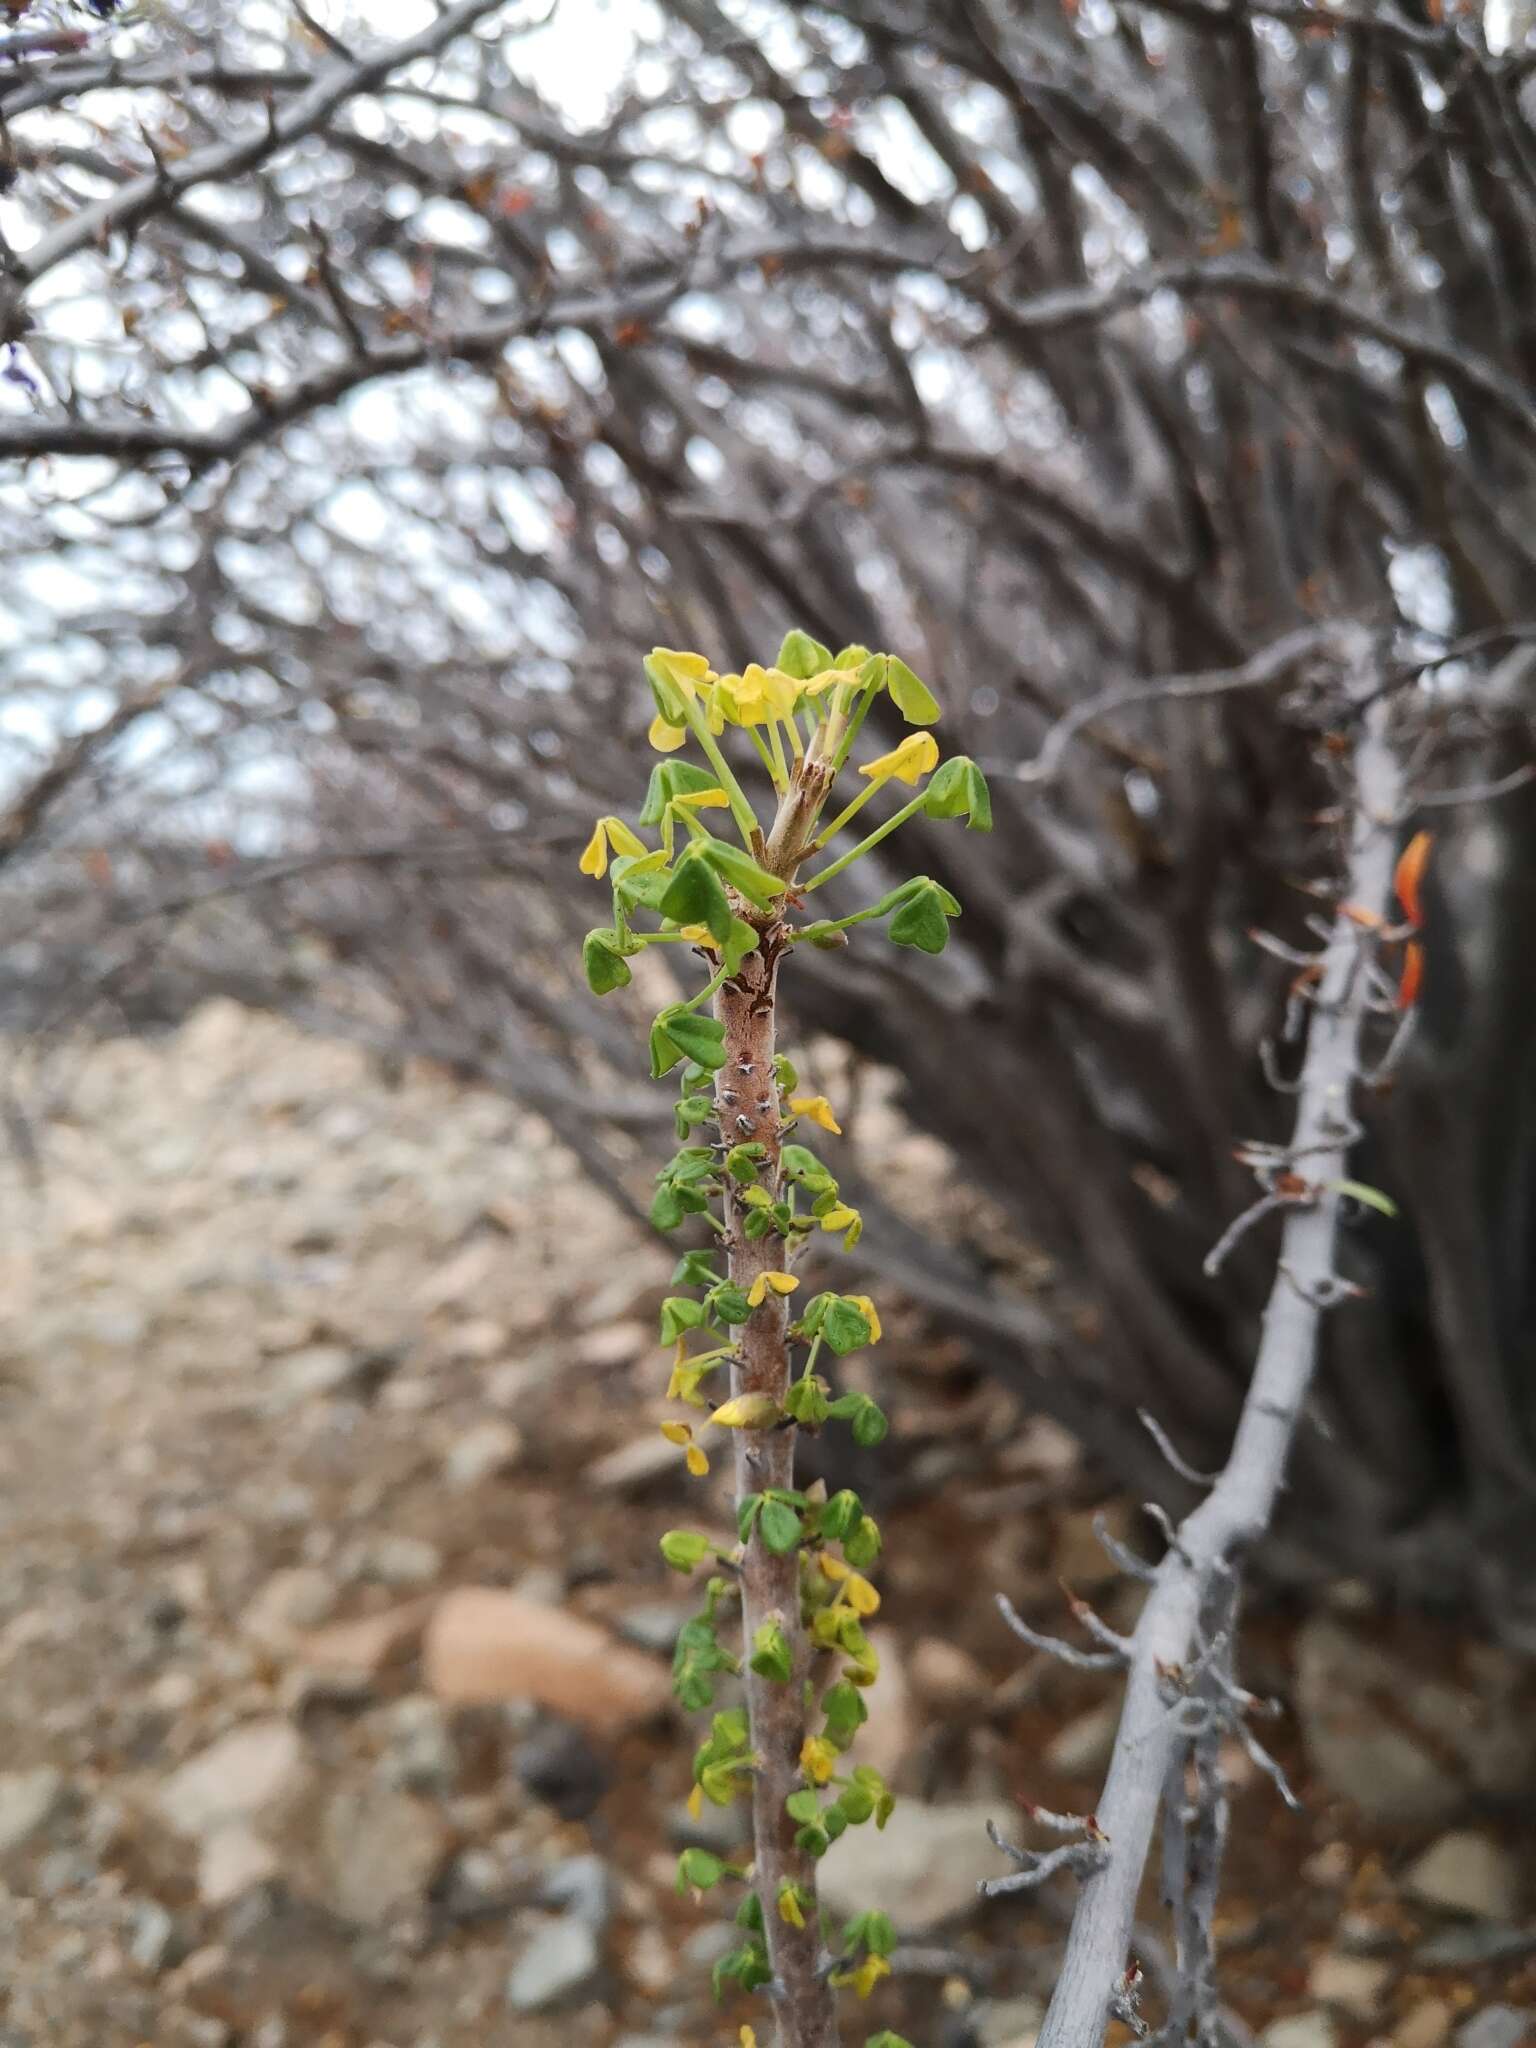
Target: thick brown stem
x,y
748,1102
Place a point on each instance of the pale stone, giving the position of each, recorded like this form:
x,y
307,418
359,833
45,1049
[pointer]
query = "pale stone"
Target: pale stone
x,y
255,1771
1353,1983
484,1645
922,1868
1466,1873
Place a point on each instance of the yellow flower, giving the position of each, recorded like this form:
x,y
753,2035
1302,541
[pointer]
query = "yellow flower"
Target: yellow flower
x,y
757,695
917,756
609,835
840,1218
866,1976
817,1110
789,1906
684,1383
666,739
860,1595
686,672
870,1313
781,1283
818,1759
748,1411
698,1465
829,680
747,2038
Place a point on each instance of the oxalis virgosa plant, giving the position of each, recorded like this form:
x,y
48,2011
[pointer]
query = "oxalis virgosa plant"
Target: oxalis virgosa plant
x,y
785,1607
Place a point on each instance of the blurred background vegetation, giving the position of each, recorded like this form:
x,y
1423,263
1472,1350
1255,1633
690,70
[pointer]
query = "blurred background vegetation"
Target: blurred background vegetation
x,y
379,382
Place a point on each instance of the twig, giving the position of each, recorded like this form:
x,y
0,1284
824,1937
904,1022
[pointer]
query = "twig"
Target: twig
x,y
1202,1559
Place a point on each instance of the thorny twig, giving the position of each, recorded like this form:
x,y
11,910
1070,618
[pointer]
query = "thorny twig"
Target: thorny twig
x,y
1181,1695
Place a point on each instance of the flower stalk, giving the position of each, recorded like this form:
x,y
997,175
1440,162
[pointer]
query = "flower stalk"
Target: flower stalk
x,y
784,1612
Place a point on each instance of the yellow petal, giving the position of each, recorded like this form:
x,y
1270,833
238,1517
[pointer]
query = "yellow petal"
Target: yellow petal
x,y
697,1463
696,1802
789,1906
666,739
747,2038
861,1595
703,799
817,1110
677,1432
623,840
594,861
700,935
832,1567
870,1313
918,755
686,671
869,1973
818,1759
747,1411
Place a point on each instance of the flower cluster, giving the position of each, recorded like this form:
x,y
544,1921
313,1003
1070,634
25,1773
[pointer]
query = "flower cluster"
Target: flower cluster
x,y
753,1352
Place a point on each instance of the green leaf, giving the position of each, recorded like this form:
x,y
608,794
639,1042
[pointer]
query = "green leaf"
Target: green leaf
x,y
694,1269
852,656
689,1111
912,698
886,2039
679,1312
803,1805
667,1210
861,1546
779,1526
843,1705
640,880
739,942
835,1821
695,896
685,1549
700,1038
673,778
923,919
740,870
813,1839
741,1162
784,1074
870,1425
806,1401
857,1804
802,657
750,1912
872,1931
748,1508
748,1965
839,1514
605,965
697,1870
959,790
845,1325
801,1166
665,1053
729,1303
770,1651
1361,1191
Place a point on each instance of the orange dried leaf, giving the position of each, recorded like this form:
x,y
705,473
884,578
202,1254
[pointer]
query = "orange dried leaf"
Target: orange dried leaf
x,y
1413,976
1368,920
1411,864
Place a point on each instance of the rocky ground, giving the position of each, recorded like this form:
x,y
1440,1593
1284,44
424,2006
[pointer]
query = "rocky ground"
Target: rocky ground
x,y
333,1635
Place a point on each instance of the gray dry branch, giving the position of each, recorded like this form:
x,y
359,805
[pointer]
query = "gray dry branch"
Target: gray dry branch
x,y
1179,1690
